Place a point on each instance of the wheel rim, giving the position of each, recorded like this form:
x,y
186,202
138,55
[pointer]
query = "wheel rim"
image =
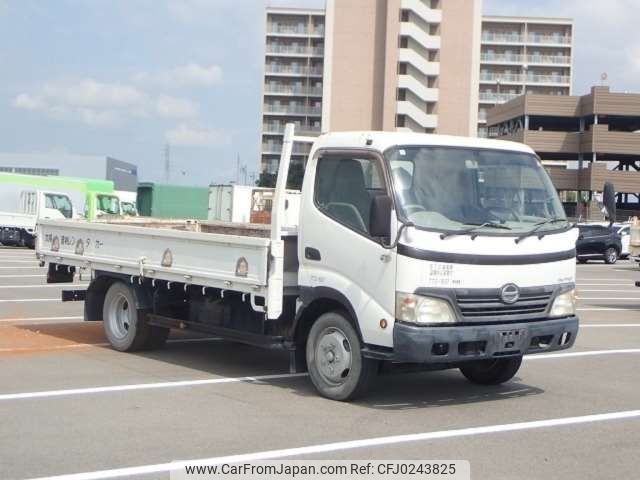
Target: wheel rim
x,y
334,357
612,256
120,317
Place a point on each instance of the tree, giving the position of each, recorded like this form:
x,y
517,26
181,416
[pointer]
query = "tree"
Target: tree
x,y
294,180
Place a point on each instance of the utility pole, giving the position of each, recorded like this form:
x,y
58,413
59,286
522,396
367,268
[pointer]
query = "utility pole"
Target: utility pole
x,y
167,162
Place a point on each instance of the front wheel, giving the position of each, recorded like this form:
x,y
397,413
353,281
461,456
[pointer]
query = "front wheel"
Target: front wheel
x,y
610,256
334,359
491,372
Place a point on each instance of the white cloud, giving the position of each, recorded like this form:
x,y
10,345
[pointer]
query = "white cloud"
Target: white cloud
x,y
102,104
92,94
189,136
190,75
173,107
28,102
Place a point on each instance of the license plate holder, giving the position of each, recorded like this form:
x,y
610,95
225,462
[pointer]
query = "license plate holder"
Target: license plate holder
x,y
511,339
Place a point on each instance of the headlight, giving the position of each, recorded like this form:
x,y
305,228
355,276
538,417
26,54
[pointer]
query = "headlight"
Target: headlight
x,y
564,305
418,309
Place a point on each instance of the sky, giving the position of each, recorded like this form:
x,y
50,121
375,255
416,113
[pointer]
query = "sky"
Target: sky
x,y
125,78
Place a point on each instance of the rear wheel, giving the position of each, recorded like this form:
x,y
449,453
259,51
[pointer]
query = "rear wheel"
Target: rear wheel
x,y
334,358
491,372
610,256
123,323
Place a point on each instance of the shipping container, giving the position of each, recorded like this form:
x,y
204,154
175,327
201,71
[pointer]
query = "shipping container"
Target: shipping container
x,y
172,201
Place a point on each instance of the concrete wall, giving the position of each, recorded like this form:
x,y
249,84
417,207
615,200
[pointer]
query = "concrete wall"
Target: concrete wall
x,y
459,67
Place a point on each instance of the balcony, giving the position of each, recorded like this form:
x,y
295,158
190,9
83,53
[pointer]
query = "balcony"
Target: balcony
x,y
490,97
501,77
548,79
291,70
293,90
540,39
502,58
548,60
292,110
294,50
294,30
490,37
275,148
278,128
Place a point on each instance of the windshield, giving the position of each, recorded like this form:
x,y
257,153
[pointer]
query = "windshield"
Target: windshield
x,y
60,203
108,204
450,189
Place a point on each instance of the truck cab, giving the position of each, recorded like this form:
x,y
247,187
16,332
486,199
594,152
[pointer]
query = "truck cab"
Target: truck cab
x,y
441,250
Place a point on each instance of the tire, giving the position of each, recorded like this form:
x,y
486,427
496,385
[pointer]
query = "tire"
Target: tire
x,y
491,372
610,256
123,323
582,260
334,359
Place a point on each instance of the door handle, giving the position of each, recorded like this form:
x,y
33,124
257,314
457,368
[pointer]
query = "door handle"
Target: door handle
x,y
312,254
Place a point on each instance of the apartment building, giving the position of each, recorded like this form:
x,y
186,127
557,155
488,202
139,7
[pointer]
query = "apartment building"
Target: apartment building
x,y
523,55
293,69
402,64
584,140
371,65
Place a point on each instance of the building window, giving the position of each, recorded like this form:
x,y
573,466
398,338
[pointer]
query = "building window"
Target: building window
x,y
31,171
400,121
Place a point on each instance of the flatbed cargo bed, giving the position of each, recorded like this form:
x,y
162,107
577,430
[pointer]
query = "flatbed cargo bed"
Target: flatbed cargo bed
x,y
205,254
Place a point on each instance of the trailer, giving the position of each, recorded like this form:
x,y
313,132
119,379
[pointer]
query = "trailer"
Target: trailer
x,y
410,251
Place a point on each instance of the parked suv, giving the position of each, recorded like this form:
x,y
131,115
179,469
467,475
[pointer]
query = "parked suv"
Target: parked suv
x,y
597,242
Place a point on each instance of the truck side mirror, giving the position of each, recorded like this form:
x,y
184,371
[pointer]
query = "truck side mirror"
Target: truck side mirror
x,y
380,216
609,201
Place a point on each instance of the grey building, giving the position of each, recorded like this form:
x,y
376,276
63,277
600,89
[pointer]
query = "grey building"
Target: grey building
x,y
123,174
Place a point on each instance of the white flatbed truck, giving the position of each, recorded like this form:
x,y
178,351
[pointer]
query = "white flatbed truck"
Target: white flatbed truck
x,y
415,250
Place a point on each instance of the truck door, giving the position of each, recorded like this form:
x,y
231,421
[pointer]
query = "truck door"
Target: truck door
x,y
336,250
56,206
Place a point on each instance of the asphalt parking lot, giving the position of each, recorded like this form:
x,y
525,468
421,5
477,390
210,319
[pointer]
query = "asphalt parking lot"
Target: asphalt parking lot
x,y
71,405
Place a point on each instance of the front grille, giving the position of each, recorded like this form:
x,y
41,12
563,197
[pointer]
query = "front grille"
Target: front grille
x,y
477,305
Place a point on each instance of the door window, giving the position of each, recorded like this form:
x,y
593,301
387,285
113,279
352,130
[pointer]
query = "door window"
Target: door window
x,y
60,203
345,187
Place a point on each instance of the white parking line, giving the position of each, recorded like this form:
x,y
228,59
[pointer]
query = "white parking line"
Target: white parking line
x,y
213,381
27,300
23,276
101,344
36,267
589,353
20,261
619,290
350,445
607,309
611,325
38,319
610,298
147,386
55,285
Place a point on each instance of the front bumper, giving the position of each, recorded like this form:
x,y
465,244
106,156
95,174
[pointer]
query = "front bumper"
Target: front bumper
x,y
418,344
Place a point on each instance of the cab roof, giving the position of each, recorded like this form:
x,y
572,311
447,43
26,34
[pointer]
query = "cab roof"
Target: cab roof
x,y
381,141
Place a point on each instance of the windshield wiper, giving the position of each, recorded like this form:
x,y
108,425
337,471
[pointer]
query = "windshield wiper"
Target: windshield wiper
x,y
538,226
477,226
